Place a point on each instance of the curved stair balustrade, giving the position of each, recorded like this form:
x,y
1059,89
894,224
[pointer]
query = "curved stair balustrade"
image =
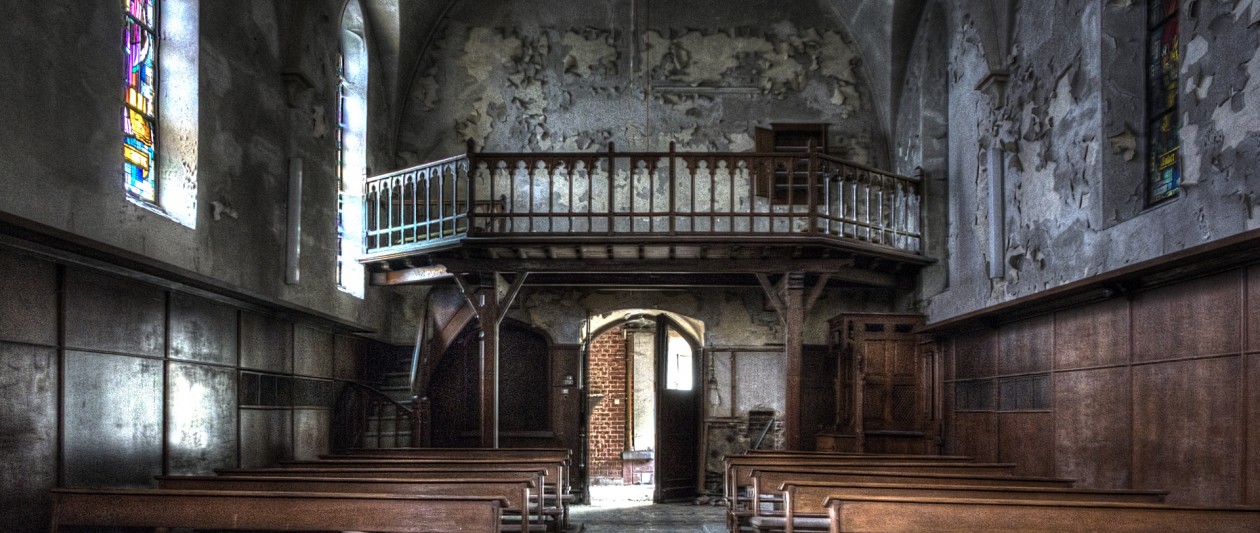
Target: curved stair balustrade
x,y
365,417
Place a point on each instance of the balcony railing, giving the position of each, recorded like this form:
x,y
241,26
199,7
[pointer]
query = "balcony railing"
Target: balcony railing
x,y
640,194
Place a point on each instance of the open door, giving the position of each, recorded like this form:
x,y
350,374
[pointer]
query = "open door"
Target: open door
x,y
677,413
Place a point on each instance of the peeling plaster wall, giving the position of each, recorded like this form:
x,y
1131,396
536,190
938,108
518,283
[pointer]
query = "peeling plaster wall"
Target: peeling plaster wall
x,y
61,168
1073,178
570,76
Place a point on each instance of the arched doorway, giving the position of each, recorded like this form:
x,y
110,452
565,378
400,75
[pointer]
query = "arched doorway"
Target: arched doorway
x,y
643,409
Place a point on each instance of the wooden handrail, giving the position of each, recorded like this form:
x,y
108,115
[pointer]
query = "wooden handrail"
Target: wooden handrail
x,y
670,193
359,404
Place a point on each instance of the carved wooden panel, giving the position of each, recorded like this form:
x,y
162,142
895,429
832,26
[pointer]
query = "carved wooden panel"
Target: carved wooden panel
x,y
28,299
1186,418
1092,426
112,420
105,313
1198,317
202,330
1093,335
201,418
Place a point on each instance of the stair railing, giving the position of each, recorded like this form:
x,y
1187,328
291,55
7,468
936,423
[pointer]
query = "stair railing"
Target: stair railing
x,y
368,418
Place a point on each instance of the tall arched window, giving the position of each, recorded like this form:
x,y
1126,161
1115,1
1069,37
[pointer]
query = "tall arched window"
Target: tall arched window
x,y
1163,66
351,148
159,152
139,113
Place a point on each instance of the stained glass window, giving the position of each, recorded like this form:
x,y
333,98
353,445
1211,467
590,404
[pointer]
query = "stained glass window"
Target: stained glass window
x,y
139,112
1163,62
342,125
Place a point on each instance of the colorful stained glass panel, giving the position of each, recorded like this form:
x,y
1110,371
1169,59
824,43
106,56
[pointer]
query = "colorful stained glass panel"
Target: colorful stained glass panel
x,y
1163,63
139,98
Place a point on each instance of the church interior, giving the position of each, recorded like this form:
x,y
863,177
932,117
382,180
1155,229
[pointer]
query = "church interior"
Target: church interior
x,y
652,235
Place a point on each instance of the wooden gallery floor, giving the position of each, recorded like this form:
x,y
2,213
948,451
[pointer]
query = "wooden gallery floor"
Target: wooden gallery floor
x,y
622,509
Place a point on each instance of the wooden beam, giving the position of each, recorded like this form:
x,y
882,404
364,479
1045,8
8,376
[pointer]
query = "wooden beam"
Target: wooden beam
x,y
490,298
837,269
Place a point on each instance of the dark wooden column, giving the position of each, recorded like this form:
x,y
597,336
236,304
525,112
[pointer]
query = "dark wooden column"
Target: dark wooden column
x,y
789,299
490,299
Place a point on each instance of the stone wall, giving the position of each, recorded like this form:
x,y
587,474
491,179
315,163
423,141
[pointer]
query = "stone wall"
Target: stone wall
x,y
575,75
1068,136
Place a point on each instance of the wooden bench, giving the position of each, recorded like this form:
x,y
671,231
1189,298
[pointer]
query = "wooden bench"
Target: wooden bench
x,y
548,505
278,511
515,491
740,494
804,509
888,514
738,469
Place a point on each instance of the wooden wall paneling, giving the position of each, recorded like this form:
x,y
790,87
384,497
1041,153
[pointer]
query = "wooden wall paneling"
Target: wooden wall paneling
x,y
28,434
112,420
109,314
973,355
1186,430
1092,427
977,435
28,299
1093,335
202,330
1026,346
1252,433
1027,439
1253,309
312,352
266,343
1198,317
266,436
201,418
311,433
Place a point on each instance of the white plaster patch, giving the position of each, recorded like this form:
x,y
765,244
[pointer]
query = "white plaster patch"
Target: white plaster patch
x,y
488,49
1040,202
1191,159
740,142
1236,125
704,58
1196,50
782,73
588,53
835,58
1249,9
1061,102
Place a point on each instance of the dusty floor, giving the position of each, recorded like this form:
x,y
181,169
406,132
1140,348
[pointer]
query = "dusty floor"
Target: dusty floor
x,y
627,509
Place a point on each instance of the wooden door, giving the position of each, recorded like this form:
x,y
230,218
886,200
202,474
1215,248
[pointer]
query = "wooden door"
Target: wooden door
x,y
893,391
677,413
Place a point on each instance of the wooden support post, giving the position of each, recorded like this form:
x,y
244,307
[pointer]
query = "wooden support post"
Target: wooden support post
x,y
789,299
490,299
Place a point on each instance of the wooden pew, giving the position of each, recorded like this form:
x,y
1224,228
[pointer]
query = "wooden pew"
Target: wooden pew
x,y
563,455
546,506
515,491
553,500
804,509
738,474
279,511
874,514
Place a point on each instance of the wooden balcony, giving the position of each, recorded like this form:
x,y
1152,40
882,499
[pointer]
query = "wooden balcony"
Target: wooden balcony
x,y
631,217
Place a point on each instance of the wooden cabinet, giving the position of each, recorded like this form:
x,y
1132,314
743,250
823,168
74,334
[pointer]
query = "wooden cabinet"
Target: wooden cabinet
x,y
887,386
788,181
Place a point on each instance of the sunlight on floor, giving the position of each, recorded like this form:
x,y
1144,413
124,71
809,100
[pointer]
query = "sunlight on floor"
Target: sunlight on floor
x,y
618,496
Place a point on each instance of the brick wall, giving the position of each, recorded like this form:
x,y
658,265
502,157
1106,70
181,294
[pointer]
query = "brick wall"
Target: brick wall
x,y
608,419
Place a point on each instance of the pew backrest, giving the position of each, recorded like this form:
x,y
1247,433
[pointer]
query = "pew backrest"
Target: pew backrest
x,y
283,511
948,515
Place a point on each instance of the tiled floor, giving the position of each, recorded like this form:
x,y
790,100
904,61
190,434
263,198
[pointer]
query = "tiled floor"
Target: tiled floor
x,y
629,509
